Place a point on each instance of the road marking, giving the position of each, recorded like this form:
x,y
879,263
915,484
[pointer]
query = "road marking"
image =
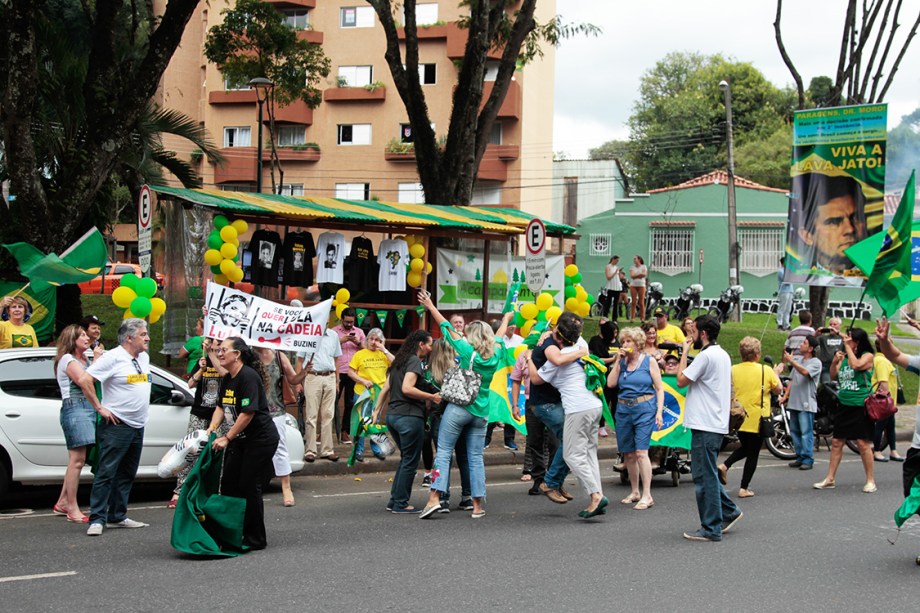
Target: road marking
x,y
500,484
67,573
32,515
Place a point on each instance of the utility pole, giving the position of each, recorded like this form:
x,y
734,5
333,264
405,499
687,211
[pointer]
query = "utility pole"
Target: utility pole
x,y
733,274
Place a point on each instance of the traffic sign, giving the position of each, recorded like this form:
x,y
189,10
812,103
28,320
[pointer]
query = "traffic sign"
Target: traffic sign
x,y
145,230
535,256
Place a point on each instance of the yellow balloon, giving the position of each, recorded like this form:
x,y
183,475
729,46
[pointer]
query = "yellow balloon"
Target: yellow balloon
x,y
552,314
584,309
240,226
581,294
544,301
529,310
571,305
339,309
228,233
519,350
236,275
570,271
212,257
414,278
428,268
417,250
411,239
343,296
226,267
123,297
128,314
221,279
154,318
525,329
228,250
235,242
416,264
157,307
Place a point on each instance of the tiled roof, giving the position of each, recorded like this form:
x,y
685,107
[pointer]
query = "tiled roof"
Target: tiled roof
x,y
718,177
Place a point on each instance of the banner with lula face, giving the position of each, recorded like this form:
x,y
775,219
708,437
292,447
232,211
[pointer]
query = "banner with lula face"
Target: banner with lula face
x,y
838,190
263,323
460,280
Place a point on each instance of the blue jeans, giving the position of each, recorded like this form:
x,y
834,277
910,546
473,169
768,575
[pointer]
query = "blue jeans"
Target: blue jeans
x,y
802,430
714,505
457,423
375,448
409,432
460,455
553,416
119,456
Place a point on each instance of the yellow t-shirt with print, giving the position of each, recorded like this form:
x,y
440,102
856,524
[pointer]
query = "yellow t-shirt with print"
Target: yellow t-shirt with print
x,y
370,365
747,377
14,337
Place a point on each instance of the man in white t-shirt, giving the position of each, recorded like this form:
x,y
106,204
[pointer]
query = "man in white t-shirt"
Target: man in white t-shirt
x,y
124,373
706,410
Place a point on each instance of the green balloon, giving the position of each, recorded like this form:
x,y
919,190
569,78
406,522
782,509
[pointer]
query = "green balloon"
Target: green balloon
x,y
129,281
216,270
569,282
145,288
141,306
519,320
219,222
577,278
569,291
541,316
239,255
590,299
214,240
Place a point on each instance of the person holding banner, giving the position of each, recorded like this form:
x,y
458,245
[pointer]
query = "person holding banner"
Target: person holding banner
x,y
14,331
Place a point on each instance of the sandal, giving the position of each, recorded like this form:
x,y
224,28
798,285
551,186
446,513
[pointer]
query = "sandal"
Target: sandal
x,y
631,499
78,520
642,505
526,478
172,503
58,510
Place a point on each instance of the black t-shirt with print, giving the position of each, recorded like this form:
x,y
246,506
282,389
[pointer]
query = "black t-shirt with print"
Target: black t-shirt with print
x,y
543,393
298,253
361,270
207,391
244,393
265,247
400,404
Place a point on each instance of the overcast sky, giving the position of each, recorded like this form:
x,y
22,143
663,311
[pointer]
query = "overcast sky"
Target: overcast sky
x,y
597,79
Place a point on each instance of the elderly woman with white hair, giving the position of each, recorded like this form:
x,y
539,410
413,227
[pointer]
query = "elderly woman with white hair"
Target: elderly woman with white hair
x,y
368,369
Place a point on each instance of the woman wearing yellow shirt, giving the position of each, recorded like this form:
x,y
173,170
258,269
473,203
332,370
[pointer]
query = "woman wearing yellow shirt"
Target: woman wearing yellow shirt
x,y
14,331
368,369
884,379
753,383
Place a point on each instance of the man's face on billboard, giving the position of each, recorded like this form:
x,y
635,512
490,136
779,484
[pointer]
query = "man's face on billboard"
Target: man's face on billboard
x,y
837,227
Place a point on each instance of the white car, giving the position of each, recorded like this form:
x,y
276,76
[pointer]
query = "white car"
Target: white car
x,y
32,448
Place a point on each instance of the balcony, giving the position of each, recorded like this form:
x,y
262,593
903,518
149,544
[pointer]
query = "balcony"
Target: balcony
x,y
426,32
311,36
355,94
494,165
396,156
233,96
511,105
293,154
239,165
456,43
296,112
292,4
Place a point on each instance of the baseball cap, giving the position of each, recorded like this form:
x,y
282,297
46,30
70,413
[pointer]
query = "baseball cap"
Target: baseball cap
x,y
671,357
90,320
659,312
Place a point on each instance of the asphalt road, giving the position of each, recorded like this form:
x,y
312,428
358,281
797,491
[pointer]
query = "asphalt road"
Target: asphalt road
x,y
795,549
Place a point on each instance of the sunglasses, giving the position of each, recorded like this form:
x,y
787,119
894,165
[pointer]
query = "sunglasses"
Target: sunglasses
x,y
137,367
221,350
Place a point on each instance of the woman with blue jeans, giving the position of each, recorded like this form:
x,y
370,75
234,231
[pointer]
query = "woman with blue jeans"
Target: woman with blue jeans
x,y
486,351
405,414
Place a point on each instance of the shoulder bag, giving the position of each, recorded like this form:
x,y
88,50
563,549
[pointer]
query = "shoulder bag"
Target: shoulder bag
x,y
737,414
767,429
461,385
880,405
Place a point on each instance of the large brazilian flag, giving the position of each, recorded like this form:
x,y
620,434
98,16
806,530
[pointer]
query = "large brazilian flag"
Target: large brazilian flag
x,y
672,433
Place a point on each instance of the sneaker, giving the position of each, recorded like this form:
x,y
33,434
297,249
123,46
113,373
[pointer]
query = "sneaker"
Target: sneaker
x,y
359,457
870,488
728,524
511,445
426,480
445,507
806,466
379,456
126,523
94,530
699,535
824,485
406,510
602,432
429,511
795,464
466,504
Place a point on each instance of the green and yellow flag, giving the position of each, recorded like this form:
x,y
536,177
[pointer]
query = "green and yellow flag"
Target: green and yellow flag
x,y
82,261
500,394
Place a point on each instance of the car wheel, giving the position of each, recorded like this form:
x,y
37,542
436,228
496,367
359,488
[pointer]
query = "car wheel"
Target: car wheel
x,y
5,477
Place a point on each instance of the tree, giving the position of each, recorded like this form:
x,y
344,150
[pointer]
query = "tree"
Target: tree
x,y
677,129
869,58
903,151
448,174
766,161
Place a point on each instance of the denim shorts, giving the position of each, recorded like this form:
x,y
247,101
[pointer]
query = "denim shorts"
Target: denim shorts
x,y
78,420
634,426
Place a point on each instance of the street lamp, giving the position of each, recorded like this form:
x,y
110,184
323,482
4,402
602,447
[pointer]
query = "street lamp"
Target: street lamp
x,y
732,213
259,84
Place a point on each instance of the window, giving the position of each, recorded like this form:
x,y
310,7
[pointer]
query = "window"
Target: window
x,y
425,14
355,76
289,136
357,17
30,378
495,135
428,74
237,187
599,244
672,251
405,132
353,191
291,189
296,18
354,134
237,137
487,192
411,193
491,70
123,269
761,249
232,86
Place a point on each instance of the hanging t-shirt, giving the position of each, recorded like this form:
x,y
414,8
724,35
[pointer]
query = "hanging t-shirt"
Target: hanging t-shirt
x,y
361,264
265,247
393,258
298,253
207,391
330,263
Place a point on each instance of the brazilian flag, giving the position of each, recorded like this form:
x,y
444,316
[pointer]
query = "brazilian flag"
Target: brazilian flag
x,y
672,432
500,393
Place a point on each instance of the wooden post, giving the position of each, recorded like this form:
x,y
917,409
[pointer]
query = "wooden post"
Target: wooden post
x,y
486,260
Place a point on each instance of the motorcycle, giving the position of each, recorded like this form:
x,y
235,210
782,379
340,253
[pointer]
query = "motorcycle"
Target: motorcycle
x,y
728,300
653,296
688,300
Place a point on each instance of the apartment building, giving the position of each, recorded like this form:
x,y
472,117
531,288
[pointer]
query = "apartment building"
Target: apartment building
x,y
353,145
